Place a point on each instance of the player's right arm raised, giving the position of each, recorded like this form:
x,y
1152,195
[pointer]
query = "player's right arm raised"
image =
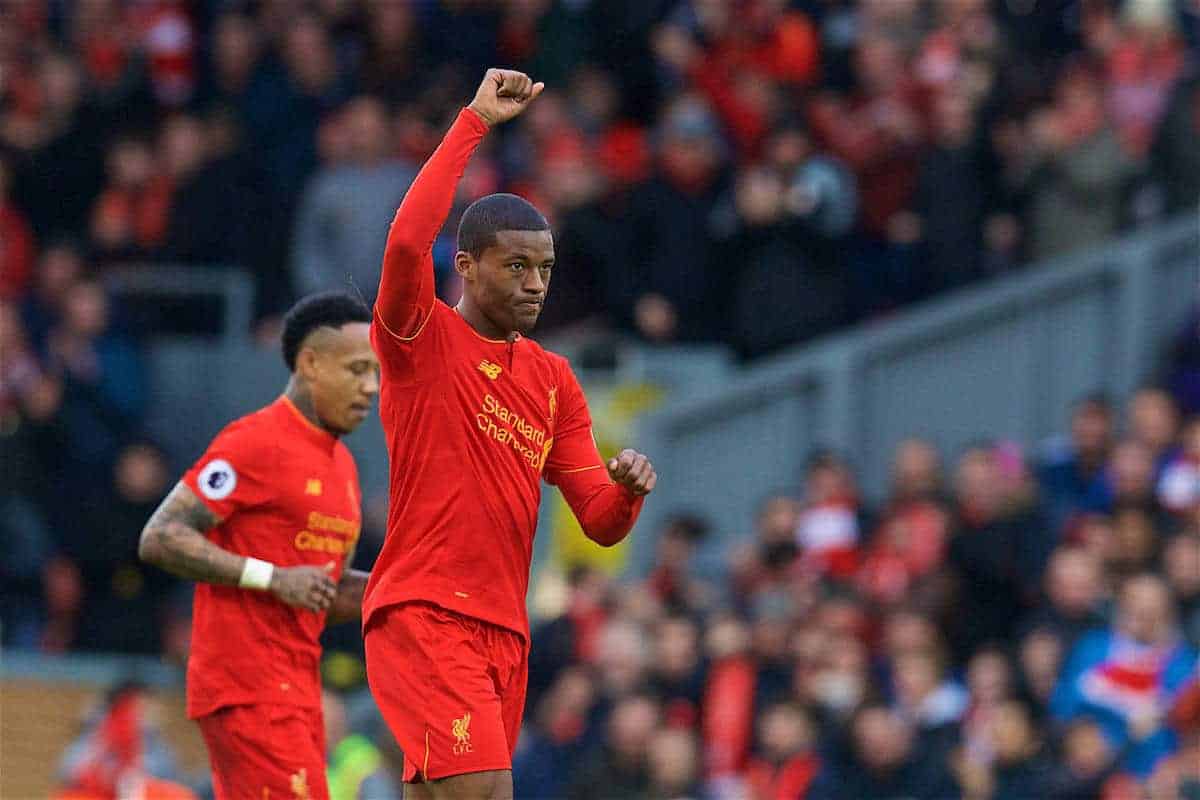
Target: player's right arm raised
x,y
174,540
406,287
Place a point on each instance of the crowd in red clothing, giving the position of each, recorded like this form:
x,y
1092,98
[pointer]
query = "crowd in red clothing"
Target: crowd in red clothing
x,y
1025,626
751,172
856,156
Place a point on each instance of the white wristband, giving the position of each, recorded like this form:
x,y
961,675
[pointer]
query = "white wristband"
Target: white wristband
x,y
256,574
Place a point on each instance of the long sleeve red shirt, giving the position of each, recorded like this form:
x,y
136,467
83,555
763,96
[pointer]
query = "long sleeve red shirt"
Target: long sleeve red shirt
x,y
473,425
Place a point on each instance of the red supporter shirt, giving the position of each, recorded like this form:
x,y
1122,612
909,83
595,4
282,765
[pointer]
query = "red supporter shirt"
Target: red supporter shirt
x,y
473,426
286,492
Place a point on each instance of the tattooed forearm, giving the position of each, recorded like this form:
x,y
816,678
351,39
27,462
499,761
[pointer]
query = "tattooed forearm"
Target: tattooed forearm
x,y
174,540
347,605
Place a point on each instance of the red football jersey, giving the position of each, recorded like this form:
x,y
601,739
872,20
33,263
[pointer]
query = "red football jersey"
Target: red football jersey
x,y
473,426
287,492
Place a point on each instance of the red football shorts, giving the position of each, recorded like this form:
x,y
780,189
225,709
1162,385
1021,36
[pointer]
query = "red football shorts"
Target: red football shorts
x,y
451,688
266,752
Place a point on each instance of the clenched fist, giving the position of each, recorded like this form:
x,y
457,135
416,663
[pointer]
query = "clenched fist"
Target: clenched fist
x,y
311,588
634,471
504,94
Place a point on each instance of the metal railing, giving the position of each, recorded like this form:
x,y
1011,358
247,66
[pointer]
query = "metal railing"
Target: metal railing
x,y
1005,359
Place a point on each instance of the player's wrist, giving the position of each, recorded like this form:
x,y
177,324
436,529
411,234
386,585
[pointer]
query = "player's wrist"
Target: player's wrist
x,y
480,116
257,575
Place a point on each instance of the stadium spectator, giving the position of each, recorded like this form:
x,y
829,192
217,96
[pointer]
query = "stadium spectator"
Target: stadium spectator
x,y
235,66
1142,55
727,724
831,522
124,603
1181,563
393,51
671,216
59,137
990,682
283,119
1078,168
820,194
574,636
670,581
767,562
121,752
1175,166
786,760
1070,468
1090,764
1178,489
561,733
1040,654
951,196
622,767
23,529
780,293
1128,481
674,764
103,386
984,554
1185,711
1126,676
59,267
910,538
1184,366
928,699
883,762
879,130
212,204
347,204
1177,776
835,680
676,673
1022,768
129,220
1153,420
1074,596
16,240
1136,541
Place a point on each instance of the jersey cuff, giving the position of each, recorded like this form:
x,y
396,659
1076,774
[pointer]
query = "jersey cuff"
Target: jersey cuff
x,y
474,120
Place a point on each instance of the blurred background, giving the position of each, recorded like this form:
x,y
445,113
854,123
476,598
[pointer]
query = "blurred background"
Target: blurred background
x,y
899,295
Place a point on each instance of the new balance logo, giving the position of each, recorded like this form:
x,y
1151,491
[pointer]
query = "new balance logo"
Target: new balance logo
x,y
489,369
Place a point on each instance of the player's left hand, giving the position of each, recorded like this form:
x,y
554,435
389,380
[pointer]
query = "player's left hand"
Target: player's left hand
x,y
634,471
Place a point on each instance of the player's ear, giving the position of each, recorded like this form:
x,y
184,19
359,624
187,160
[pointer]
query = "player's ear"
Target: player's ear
x,y
464,265
306,362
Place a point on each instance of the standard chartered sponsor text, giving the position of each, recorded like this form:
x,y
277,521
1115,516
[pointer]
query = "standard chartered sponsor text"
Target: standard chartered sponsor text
x,y
507,427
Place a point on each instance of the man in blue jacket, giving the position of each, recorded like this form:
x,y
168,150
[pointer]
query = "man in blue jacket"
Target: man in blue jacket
x,y
1126,677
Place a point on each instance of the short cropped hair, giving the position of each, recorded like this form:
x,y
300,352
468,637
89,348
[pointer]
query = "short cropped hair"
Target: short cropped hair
x,y
489,215
325,309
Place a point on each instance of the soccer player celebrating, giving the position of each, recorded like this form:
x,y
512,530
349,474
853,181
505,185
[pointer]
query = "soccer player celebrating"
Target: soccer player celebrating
x,y
267,522
475,416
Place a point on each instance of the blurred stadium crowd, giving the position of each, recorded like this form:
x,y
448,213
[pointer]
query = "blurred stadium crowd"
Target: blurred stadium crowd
x,y
1014,626
751,172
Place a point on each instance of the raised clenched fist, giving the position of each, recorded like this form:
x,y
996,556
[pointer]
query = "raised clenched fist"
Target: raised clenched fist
x,y
503,94
634,471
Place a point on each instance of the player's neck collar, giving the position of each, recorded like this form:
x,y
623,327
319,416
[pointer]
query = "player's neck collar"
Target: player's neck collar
x,y
317,434
511,339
